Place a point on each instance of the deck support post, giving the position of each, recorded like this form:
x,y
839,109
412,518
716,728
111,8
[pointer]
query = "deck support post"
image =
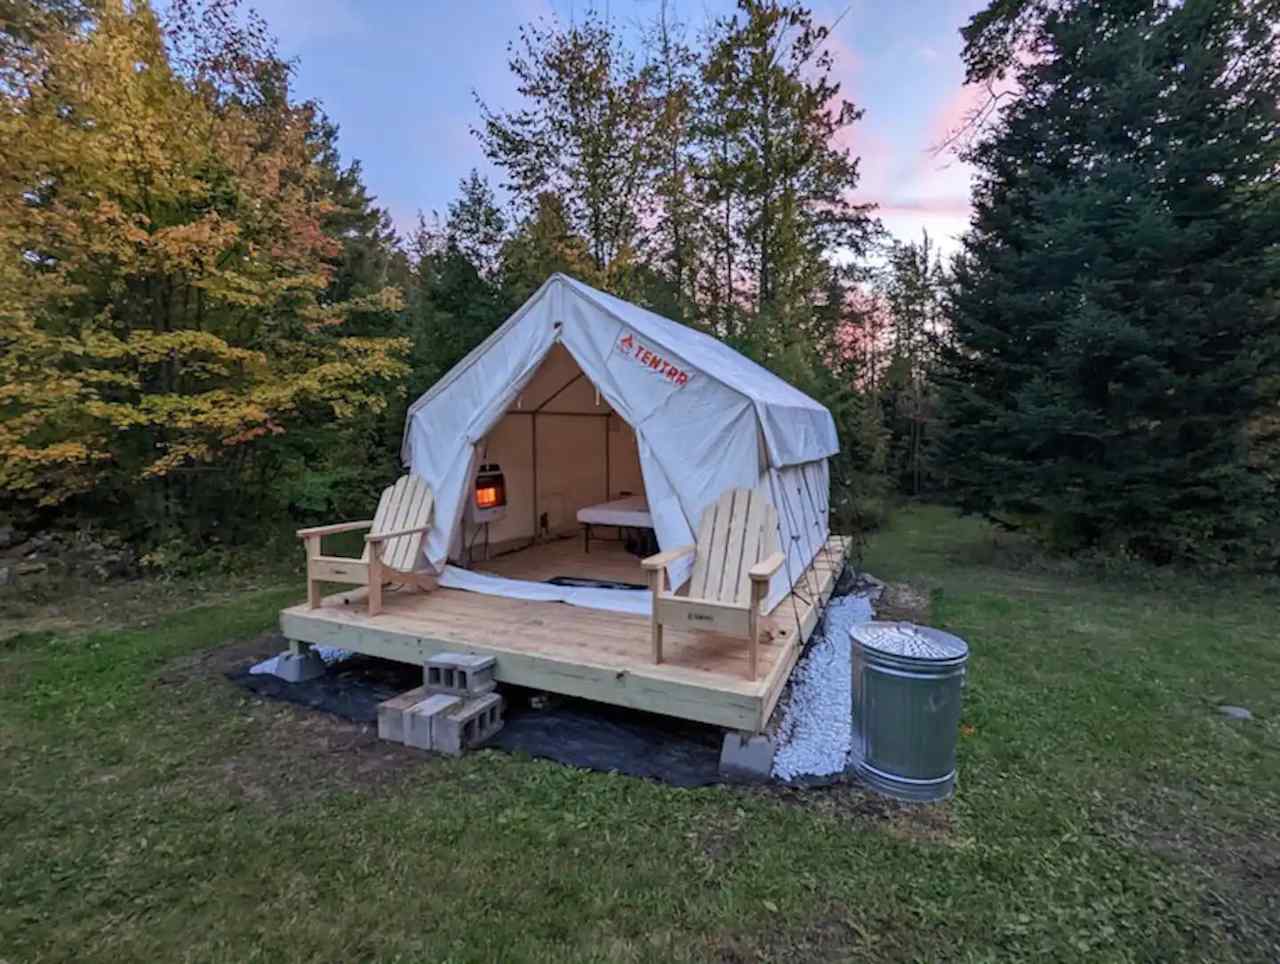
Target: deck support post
x,y
313,584
300,663
657,585
375,578
746,757
759,589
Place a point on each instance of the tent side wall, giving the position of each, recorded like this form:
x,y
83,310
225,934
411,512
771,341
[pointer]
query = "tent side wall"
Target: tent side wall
x,y
800,493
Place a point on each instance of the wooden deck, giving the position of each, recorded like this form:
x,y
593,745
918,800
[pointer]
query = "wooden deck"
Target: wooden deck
x,y
587,653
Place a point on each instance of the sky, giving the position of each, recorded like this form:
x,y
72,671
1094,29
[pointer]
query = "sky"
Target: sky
x,y
400,78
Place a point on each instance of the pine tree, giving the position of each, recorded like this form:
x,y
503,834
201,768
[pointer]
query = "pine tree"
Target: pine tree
x,y
544,243
477,226
913,289
1114,305
368,259
775,184
453,306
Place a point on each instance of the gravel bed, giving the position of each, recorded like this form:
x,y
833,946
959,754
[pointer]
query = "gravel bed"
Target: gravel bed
x,y
816,729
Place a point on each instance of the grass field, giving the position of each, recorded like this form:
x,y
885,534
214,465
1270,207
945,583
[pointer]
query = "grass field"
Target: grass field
x,y
150,811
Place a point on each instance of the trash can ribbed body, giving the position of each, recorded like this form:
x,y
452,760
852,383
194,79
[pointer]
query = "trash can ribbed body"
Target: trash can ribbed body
x,y
907,683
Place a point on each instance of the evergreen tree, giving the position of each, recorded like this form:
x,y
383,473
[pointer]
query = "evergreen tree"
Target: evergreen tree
x,y
476,226
913,289
368,259
452,306
1114,308
545,243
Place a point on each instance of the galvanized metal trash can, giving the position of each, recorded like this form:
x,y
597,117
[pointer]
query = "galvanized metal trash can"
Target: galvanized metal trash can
x,y
907,682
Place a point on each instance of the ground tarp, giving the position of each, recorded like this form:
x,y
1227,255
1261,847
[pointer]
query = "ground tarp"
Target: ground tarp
x,y
577,733
636,602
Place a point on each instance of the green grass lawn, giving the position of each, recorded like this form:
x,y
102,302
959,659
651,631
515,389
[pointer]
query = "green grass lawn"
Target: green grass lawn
x,y
151,811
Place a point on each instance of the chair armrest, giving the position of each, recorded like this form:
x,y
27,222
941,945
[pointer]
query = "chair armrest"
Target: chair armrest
x,y
763,570
664,559
383,536
331,530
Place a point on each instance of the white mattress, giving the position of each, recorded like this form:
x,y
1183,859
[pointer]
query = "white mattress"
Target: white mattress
x,y
633,512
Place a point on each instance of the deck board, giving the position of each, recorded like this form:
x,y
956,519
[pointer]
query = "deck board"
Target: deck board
x,y
588,653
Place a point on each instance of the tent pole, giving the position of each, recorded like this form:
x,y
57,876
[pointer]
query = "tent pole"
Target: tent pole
x,y
533,421
564,414
556,393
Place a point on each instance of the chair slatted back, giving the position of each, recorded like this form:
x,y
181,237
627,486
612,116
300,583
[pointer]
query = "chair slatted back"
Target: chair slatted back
x,y
740,530
404,505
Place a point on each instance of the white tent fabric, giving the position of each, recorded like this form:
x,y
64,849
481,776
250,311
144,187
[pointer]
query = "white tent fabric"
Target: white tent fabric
x,y
705,419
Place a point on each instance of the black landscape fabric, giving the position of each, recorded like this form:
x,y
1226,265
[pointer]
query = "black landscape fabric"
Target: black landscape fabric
x,y
577,733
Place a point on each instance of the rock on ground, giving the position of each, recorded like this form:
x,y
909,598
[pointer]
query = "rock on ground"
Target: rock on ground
x,y
1235,712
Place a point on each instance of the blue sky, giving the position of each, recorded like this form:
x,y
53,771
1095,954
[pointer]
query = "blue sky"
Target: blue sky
x,y
398,77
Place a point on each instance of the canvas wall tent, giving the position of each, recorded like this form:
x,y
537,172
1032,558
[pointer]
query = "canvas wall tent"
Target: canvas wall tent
x,y
624,399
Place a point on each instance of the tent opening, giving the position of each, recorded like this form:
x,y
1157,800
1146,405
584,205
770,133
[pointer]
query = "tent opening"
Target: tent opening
x,y
561,449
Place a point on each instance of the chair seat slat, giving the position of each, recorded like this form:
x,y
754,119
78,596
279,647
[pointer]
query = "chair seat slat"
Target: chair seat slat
x,y
702,553
734,573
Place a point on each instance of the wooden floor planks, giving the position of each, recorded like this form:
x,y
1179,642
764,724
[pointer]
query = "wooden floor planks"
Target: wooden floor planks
x,y
582,652
608,559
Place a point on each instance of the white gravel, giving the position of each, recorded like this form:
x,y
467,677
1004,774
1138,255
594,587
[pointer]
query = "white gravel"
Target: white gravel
x,y
329,654
816,729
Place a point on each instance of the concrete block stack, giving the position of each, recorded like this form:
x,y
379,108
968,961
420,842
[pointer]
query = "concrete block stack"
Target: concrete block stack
x,y
455,709
391,714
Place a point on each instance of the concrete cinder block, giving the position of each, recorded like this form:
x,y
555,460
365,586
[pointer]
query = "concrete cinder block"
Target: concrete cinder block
x,y
746,757
296,667
391,714
421,721
475,722
462,674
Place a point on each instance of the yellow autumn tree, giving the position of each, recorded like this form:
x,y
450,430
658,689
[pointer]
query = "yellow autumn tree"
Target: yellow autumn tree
x,y
163,265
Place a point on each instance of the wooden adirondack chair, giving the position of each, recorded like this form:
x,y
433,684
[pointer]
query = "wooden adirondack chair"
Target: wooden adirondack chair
x,y
392,549
733,560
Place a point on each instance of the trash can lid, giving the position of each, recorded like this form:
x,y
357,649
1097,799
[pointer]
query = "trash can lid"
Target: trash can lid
x,y
910,641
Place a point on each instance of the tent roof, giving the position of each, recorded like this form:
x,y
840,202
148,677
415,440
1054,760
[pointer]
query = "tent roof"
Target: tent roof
x,y
712,356
780,406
